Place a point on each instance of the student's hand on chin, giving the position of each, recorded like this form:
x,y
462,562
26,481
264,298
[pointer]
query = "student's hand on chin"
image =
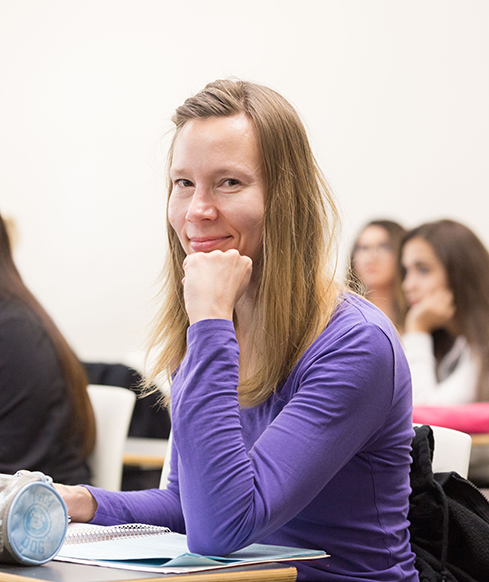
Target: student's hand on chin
x,y
214,282
79,501
434,311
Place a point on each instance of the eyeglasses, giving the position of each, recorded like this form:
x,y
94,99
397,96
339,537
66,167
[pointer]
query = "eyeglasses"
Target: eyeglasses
x,y
383,248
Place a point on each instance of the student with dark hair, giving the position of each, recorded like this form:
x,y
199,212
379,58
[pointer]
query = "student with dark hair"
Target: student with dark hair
x,y
373,267
291,397
46,420
446,329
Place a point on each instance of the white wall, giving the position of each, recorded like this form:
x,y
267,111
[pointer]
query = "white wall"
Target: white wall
x,y
395,95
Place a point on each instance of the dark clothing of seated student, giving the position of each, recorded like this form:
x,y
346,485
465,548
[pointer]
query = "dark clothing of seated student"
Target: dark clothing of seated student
x,y
46,420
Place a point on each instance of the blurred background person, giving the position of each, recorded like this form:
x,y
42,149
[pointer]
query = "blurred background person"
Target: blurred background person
x,y
446,329
12,231
373,268
46,419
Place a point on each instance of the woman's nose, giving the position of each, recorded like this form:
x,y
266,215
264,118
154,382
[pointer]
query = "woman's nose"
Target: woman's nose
x,y
408,282
202,206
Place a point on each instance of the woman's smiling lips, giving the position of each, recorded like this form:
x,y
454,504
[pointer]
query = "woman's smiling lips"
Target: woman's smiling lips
x,y
206,244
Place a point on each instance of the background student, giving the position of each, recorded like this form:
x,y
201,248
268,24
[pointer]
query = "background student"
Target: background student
x,y
446,329
291,398
373,267
46,420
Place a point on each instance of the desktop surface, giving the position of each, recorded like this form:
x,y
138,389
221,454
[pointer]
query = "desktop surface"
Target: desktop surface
x,y
67,572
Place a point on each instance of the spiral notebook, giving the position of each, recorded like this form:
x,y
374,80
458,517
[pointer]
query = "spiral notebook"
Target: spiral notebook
x,y
156,549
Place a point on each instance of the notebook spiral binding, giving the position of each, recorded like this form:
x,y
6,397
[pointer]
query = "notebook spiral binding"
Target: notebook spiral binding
x,y
131,530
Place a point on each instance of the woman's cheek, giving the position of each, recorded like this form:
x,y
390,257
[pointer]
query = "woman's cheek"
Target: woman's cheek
x,y
176,216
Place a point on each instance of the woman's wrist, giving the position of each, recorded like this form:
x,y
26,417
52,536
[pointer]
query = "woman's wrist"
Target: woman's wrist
x,y
415,324
415,327
81,504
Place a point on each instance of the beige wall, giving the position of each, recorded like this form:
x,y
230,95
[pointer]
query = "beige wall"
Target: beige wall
x,y
394,94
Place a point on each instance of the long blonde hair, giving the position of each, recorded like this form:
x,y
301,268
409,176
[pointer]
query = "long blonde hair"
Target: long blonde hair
x,y
297,291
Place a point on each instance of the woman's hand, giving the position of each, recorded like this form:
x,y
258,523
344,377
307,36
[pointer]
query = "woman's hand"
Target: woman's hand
x,y
214,282
80,502
432,312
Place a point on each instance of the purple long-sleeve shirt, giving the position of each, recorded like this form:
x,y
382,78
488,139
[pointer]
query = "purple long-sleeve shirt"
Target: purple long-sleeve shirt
x,y
323,463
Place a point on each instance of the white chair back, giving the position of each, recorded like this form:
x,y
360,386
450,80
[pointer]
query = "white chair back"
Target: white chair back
x,y
452,450
166,464
112,407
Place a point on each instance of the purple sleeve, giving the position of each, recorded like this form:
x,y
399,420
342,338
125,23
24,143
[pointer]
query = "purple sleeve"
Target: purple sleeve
x,y
153,506
231,497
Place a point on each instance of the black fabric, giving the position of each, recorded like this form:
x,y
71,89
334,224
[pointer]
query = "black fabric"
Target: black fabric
x,y
149,419
35,407
449,520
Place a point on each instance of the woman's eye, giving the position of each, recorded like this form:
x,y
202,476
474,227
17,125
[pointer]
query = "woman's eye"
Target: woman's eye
x,y
182,183
385,247
231,182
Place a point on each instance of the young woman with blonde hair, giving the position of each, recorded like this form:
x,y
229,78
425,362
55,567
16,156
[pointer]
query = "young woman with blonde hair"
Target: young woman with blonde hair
x,y
291,398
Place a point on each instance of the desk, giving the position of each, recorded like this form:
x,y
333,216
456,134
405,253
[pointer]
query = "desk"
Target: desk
x,y
480,439
146,453
65,572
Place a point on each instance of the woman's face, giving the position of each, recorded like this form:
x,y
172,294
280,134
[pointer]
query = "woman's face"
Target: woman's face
x,y
218,199
424,272
373,258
